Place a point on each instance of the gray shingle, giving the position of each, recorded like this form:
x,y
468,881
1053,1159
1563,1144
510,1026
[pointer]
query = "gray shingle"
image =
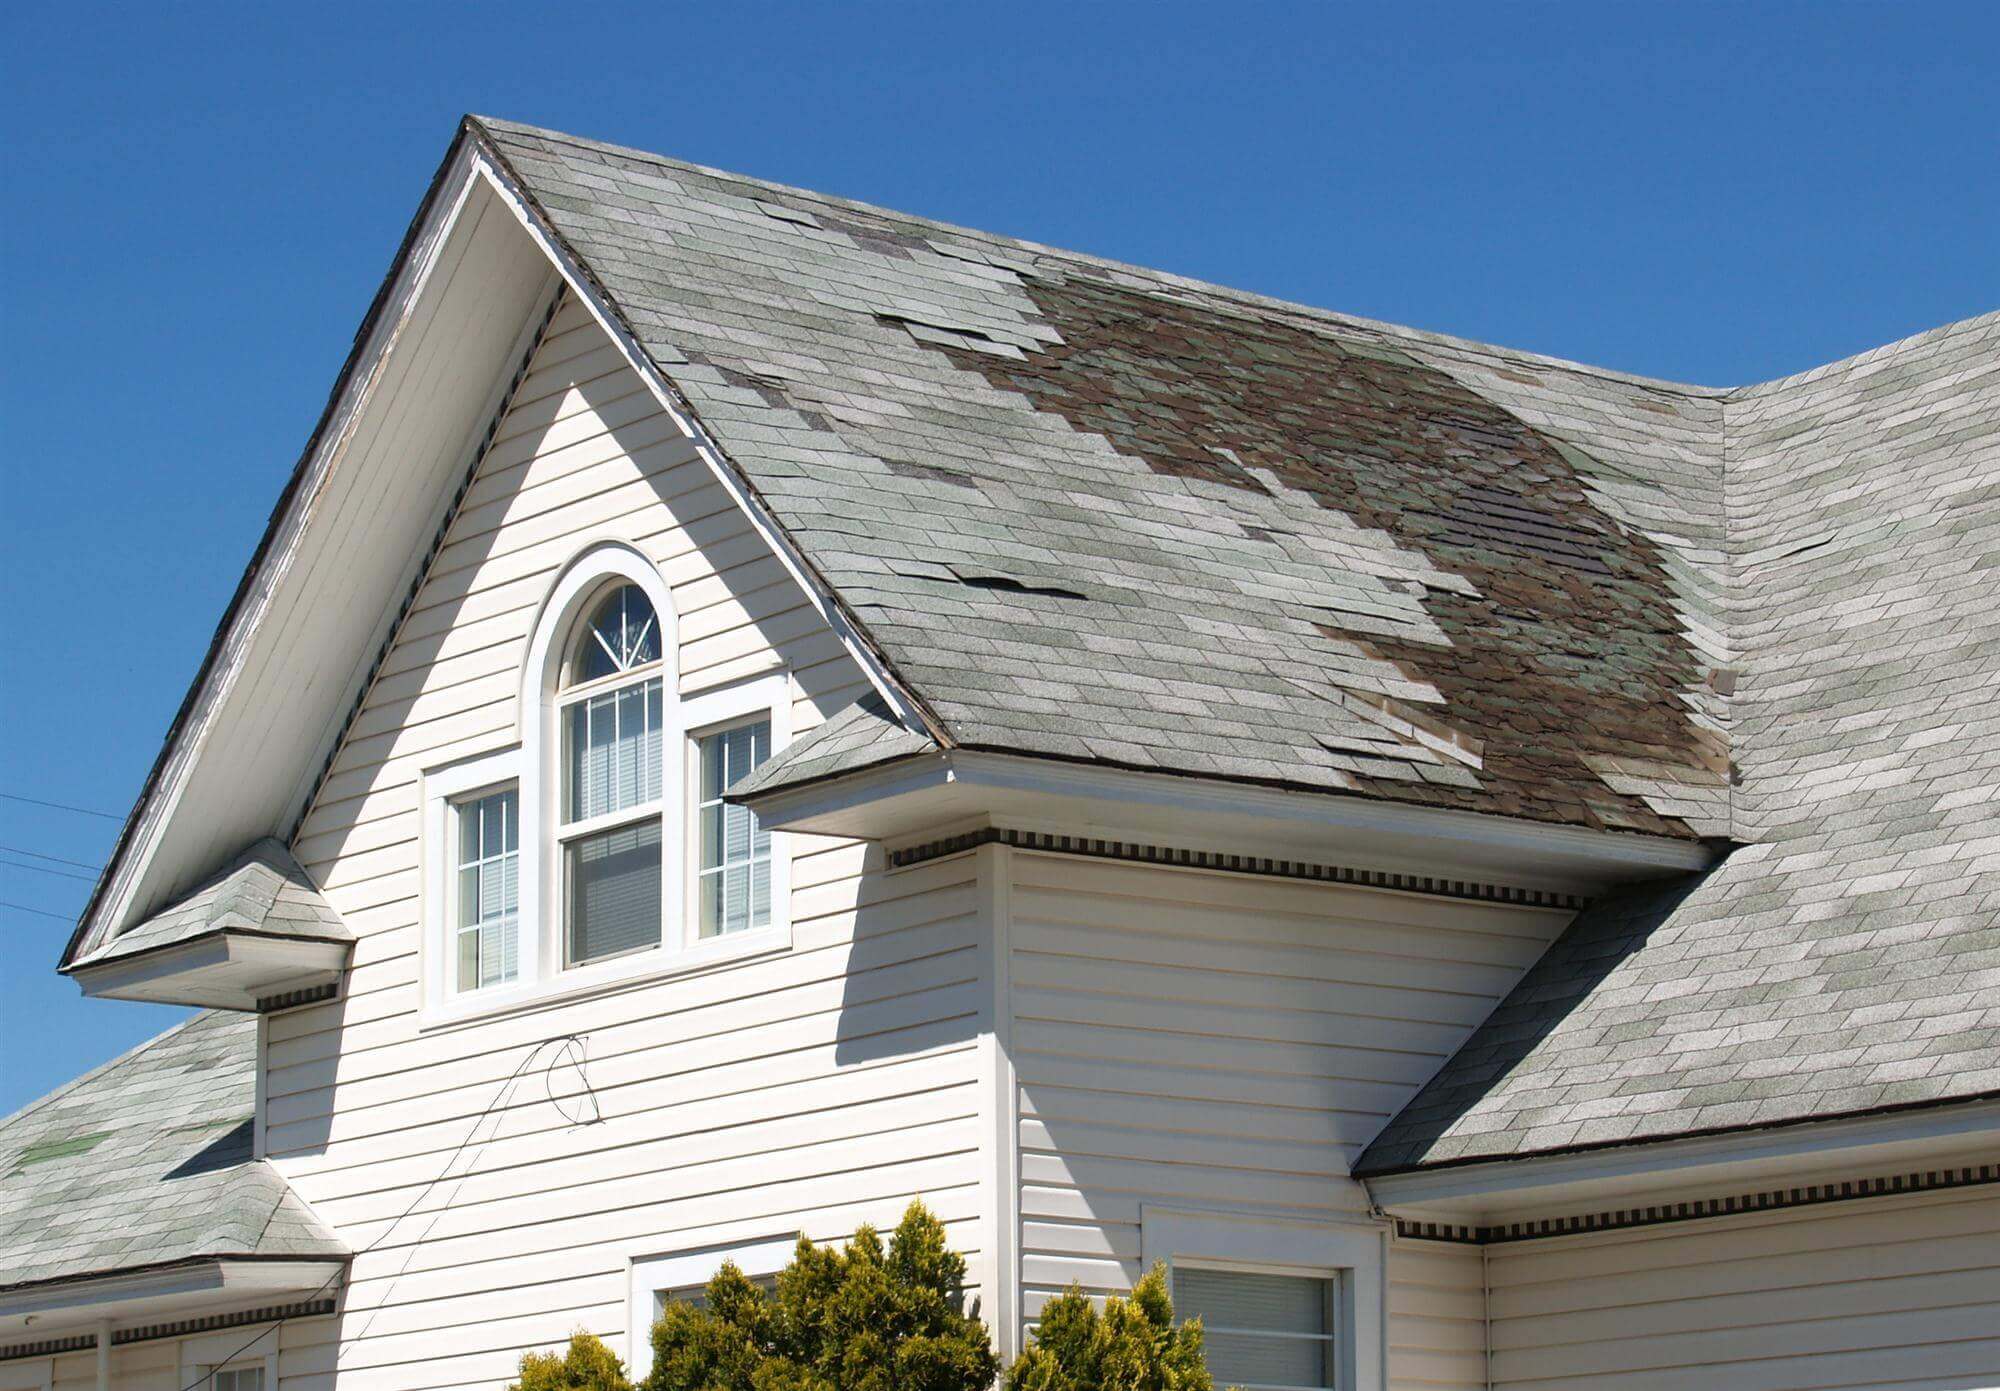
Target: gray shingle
x,y
147,1161
263,891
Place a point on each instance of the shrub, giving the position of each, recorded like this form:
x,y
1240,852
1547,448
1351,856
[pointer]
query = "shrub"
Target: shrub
x,y
863,1319
587,1366
1132,1345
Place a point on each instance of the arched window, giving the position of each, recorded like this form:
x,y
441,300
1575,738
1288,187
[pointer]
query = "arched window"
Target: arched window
x,y
610,711
600,849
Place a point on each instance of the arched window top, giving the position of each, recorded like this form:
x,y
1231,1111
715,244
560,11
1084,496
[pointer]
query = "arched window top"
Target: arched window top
x,y
622,633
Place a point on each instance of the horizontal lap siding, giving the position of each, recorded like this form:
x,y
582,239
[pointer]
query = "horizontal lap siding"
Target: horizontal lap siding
x,y
1229,1041
810,1091
1900,1292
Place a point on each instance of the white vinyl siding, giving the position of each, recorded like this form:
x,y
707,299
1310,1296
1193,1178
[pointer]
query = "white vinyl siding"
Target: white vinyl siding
x,y
1228,1042
1902,1291
810,1089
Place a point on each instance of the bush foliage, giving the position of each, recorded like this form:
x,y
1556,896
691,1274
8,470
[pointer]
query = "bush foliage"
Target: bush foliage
x,y
587,1366
876,1318
1132,1345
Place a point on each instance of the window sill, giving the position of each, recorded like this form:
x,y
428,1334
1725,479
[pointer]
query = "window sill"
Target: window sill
x,y
607,978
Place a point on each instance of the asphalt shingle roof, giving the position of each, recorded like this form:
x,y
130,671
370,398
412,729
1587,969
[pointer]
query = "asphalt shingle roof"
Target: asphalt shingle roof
x,y
1099,513
146,1162
1849,959
1096,512
263,891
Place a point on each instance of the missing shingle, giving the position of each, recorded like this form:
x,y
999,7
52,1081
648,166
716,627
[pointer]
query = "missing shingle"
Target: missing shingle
x,y
778,212
910,468
948,335
1263,533
1009,584
47,1150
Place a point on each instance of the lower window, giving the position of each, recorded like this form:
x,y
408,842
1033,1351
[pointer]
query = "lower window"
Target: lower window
x,y
245,1378
684,1276
1262,1332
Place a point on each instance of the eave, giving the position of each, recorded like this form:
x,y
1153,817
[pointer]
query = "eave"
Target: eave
x,y
932,795
1883,1145
230,968
197,1287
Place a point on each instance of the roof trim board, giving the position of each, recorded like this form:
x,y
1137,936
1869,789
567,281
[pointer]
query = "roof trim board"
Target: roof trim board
x,y
471,162
872,661
397,295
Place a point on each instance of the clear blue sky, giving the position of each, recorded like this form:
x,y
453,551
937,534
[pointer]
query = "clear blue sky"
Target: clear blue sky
x,y
200,200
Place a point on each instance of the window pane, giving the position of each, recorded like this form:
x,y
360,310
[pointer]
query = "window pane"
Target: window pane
x,y
1260,1330
1258,1359
614,891
735,868
623,632
612,756
488,890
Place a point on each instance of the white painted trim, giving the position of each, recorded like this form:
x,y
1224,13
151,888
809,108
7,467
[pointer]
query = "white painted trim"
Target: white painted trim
x,y
438,790
676,408
150,818
543,978
1000,1136
1354,1253
174,973
1488,1189
646,1276
1043,794
227,1349
223,1278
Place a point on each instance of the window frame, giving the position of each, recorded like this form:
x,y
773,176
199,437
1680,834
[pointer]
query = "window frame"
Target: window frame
x,y
647,1276
1336,1279
1354,1255
456,807
201,1354
534,764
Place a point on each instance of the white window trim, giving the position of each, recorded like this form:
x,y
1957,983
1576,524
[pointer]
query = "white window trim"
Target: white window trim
x,y
756,1258
543,978
206,1352
1354,1255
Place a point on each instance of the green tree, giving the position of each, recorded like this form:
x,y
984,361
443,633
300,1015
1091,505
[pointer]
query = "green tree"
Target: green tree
x,y
587,1366
1132,1345
863,1319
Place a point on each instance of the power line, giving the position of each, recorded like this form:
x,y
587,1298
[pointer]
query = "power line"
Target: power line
x,y
44,869
58,806
38,855
38,912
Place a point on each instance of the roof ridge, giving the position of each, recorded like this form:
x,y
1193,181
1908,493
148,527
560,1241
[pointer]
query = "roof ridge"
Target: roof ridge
x,y
1317,314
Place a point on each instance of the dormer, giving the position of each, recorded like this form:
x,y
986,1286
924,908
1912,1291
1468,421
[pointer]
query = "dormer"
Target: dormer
x,y
256,936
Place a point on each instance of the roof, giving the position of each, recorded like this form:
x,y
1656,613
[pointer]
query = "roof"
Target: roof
x,y
1088,511
1848,960
1093,512
264,891
145,1162
862,735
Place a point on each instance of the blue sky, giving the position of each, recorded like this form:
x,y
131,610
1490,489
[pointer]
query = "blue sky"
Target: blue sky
x,y
200,200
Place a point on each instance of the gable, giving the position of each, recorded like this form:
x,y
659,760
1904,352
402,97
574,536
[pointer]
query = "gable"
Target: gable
x,y
583,454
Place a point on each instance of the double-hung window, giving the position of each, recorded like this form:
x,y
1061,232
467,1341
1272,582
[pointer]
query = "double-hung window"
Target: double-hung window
x,y
599,849
610,714
1263,1331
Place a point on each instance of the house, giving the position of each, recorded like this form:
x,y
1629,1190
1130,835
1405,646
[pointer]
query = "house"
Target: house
x,y
753,708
